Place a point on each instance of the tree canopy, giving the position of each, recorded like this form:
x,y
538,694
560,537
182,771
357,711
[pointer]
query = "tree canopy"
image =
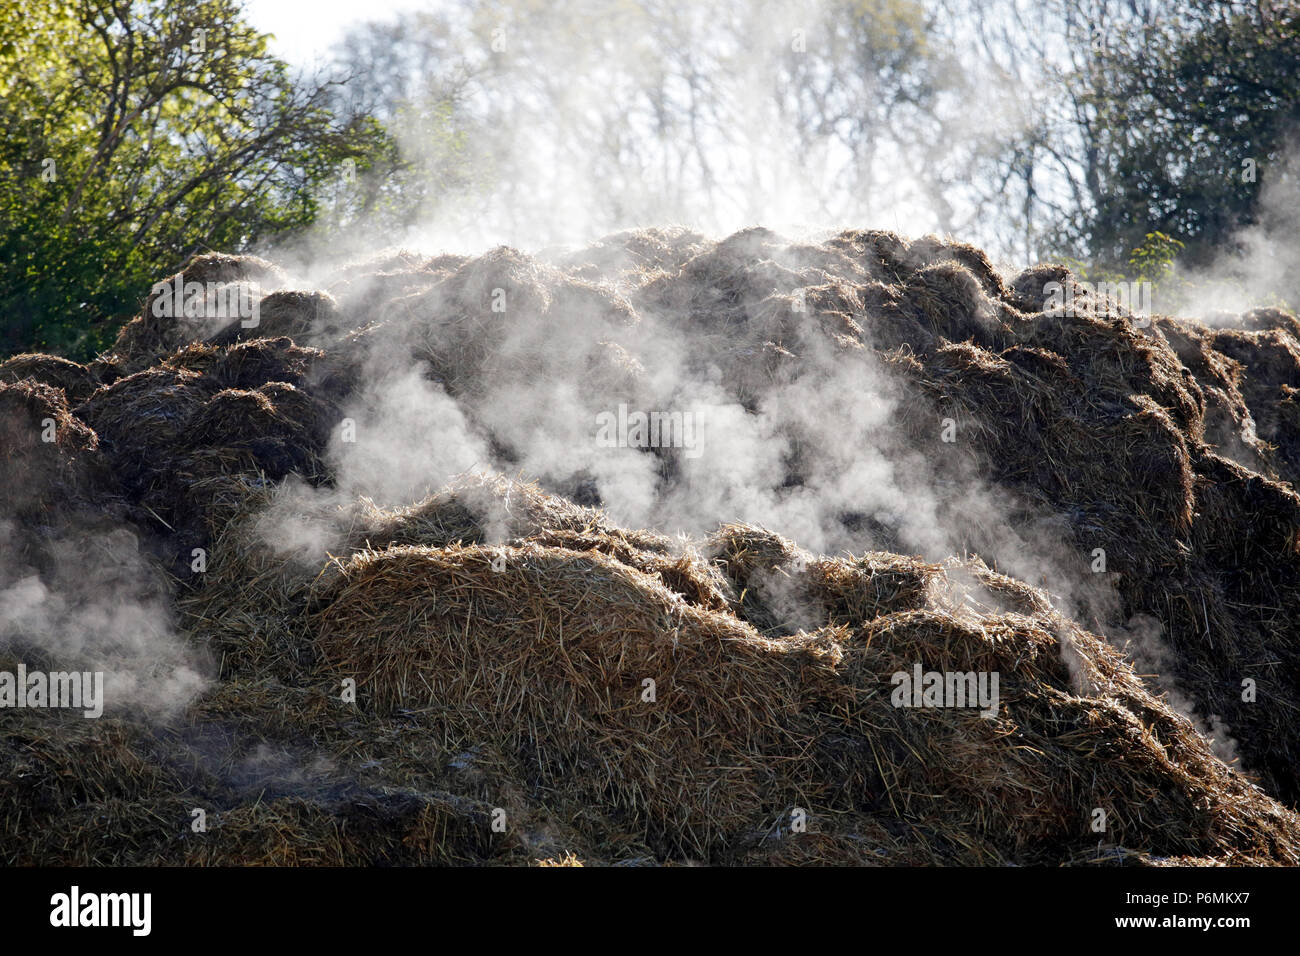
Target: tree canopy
x,y
137,133
1112,133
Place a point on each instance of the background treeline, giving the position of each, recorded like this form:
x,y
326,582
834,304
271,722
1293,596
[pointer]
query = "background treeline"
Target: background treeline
x,y
1118,134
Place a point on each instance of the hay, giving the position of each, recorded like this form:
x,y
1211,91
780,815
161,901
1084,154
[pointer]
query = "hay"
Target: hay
x,y
39,477
1107,426
255,363
184,443
282,425
569,860
930,250
948,301
500,317
1029,290
546,660
146,338
143,417
92,793
480,509
716,291
77,381
392,829
253,593
500,633
1027,780
554,681
304,316
627,257
76,792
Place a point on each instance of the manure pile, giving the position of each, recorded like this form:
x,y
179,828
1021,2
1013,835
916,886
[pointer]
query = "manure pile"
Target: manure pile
x,y
490,669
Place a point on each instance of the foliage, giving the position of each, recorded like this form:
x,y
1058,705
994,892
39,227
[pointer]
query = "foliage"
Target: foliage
x,y
138,133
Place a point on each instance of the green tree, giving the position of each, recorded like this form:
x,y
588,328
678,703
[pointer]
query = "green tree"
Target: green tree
x,y
138,133
1191,112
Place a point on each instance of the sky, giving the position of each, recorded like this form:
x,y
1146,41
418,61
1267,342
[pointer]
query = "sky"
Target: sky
x,y
305,29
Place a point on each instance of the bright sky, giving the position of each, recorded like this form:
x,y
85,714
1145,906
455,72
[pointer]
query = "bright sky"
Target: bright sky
x,y
305,29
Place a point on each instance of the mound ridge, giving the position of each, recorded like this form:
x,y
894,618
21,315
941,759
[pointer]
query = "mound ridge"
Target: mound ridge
x,y
495,670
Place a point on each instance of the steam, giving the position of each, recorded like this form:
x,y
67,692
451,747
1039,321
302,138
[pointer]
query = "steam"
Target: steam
x,y
1143,641
1259,265
97,604
863,481
406,439
819,456
544,126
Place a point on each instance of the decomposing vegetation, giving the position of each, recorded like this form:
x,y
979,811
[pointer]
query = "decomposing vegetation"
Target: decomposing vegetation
x,y
535,684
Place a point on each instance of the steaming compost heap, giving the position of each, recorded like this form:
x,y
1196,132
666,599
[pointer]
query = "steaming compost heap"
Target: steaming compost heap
x,y
365,662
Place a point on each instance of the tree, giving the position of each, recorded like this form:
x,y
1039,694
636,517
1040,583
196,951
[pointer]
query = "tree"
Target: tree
x,y
139,133
549,123
1134,117
1194,118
